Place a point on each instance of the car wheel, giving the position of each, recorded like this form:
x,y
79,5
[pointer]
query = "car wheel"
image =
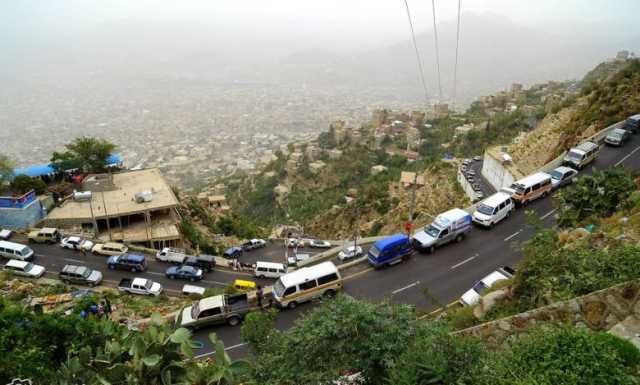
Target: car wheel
x,y
233,321
329,293
261,276
292,305
459,238
172,277
192,279
133,269
432,249
112,267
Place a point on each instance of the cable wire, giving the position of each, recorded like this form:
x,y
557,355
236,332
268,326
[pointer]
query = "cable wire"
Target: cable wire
x,y
435,37
415,46
455,67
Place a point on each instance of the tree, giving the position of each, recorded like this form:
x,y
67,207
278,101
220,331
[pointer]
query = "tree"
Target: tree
x,y
599,194
22,184
84,153
6,169
342,335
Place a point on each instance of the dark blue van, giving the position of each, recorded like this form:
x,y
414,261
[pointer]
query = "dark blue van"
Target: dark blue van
x,y
632,124
132,262
390,250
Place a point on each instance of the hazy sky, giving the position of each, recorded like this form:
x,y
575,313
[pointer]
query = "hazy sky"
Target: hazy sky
x,y
377,19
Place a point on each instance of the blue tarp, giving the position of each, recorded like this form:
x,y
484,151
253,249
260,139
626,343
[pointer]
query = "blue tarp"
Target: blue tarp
x,y
46,169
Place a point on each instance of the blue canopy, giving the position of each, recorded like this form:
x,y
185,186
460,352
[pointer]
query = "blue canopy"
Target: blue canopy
x,y
46,169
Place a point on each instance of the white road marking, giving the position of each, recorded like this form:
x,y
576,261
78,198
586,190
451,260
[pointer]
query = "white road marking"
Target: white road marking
x,y
628,155
155,273
547,214
214,282
512,235
463,262
73,260
226,349
405,288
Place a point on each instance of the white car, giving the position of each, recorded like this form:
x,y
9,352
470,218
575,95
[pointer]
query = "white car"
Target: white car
x,y
350,252
319,244
473,295
562,176
294,242
5,234
76,243
24,268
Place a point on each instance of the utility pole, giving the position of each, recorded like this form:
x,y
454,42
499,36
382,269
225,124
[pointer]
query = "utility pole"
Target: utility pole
x,y
104,205
409,225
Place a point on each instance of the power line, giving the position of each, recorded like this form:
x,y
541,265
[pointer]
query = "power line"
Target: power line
x,y
415,46
455,67
435,37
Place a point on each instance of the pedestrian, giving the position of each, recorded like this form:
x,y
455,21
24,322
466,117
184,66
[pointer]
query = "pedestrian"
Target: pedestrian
x,y
260,296
84,251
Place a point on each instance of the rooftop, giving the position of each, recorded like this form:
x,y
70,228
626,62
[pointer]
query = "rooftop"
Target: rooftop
x,y
121,200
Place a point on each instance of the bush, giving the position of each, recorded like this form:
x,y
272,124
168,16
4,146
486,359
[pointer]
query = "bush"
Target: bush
x,y
22,184
461,318
561,355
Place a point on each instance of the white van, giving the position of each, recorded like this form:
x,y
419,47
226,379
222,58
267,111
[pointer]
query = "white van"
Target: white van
x,y
581,155
12,250
269,270
530,188
493,209
321,280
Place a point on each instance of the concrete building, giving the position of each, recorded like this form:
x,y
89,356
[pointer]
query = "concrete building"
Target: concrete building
x,y
135,207
20,212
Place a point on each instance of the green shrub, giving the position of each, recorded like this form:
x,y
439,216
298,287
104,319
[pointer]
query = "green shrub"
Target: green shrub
x,y
461,318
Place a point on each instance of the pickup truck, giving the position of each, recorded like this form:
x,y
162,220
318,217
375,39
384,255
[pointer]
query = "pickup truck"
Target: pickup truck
x,y
171,255
219,309
140,286
448,226
253,244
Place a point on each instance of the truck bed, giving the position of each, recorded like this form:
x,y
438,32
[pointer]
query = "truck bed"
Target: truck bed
x,y
239,303
125,282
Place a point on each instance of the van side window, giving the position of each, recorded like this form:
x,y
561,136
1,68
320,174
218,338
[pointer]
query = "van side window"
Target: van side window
x,y
273,270
327,278
210,312
444,232
290,290
262,269
308,285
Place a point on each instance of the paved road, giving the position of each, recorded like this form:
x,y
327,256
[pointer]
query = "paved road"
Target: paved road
x,y
428,281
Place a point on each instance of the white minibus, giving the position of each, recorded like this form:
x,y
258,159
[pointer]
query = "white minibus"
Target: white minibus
x,y
12,250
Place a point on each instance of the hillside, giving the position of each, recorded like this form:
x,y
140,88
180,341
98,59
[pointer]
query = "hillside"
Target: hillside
x,y
608,94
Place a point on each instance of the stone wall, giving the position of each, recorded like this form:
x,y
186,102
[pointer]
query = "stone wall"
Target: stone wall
x,y
615,309
21,218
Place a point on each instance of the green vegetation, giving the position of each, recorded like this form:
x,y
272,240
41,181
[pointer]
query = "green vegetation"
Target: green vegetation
x,y
597,195
6,169
86,154
22,184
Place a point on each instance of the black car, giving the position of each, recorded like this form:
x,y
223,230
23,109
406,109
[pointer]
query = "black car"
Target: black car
x,y
204,262
185,272
132,262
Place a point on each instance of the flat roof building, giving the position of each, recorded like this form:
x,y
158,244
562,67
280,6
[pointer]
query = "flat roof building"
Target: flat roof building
x,y
132,206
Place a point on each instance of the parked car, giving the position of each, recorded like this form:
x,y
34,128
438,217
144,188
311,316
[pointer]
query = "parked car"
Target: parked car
x,y
295,259
141,286
269,269
76,243
473,295
253,244
185,272
350,252
24,268
390,250
632,124
168,254
45,235
294,242
617,137
477,158
205,262
109,248
448,226
81,275
5,234
493,209
562,176
320,244
132,262
232,253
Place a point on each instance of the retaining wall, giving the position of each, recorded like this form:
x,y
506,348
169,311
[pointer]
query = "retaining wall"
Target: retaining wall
x,y
615,309
466,186
21,218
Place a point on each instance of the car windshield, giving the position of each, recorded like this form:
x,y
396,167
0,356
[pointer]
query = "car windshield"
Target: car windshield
x,y
480,287
195,309
374,251
519,188
615,135
28,266
147,284
484,209
432,231
574,155
25,251
278,288
86,273
555,174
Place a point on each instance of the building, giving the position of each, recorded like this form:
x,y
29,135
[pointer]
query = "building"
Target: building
x,y
408,178
21,212
136,207
440,110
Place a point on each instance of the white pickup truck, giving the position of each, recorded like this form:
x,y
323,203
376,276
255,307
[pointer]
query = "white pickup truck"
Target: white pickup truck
x,y
141,286
171,255
448,226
